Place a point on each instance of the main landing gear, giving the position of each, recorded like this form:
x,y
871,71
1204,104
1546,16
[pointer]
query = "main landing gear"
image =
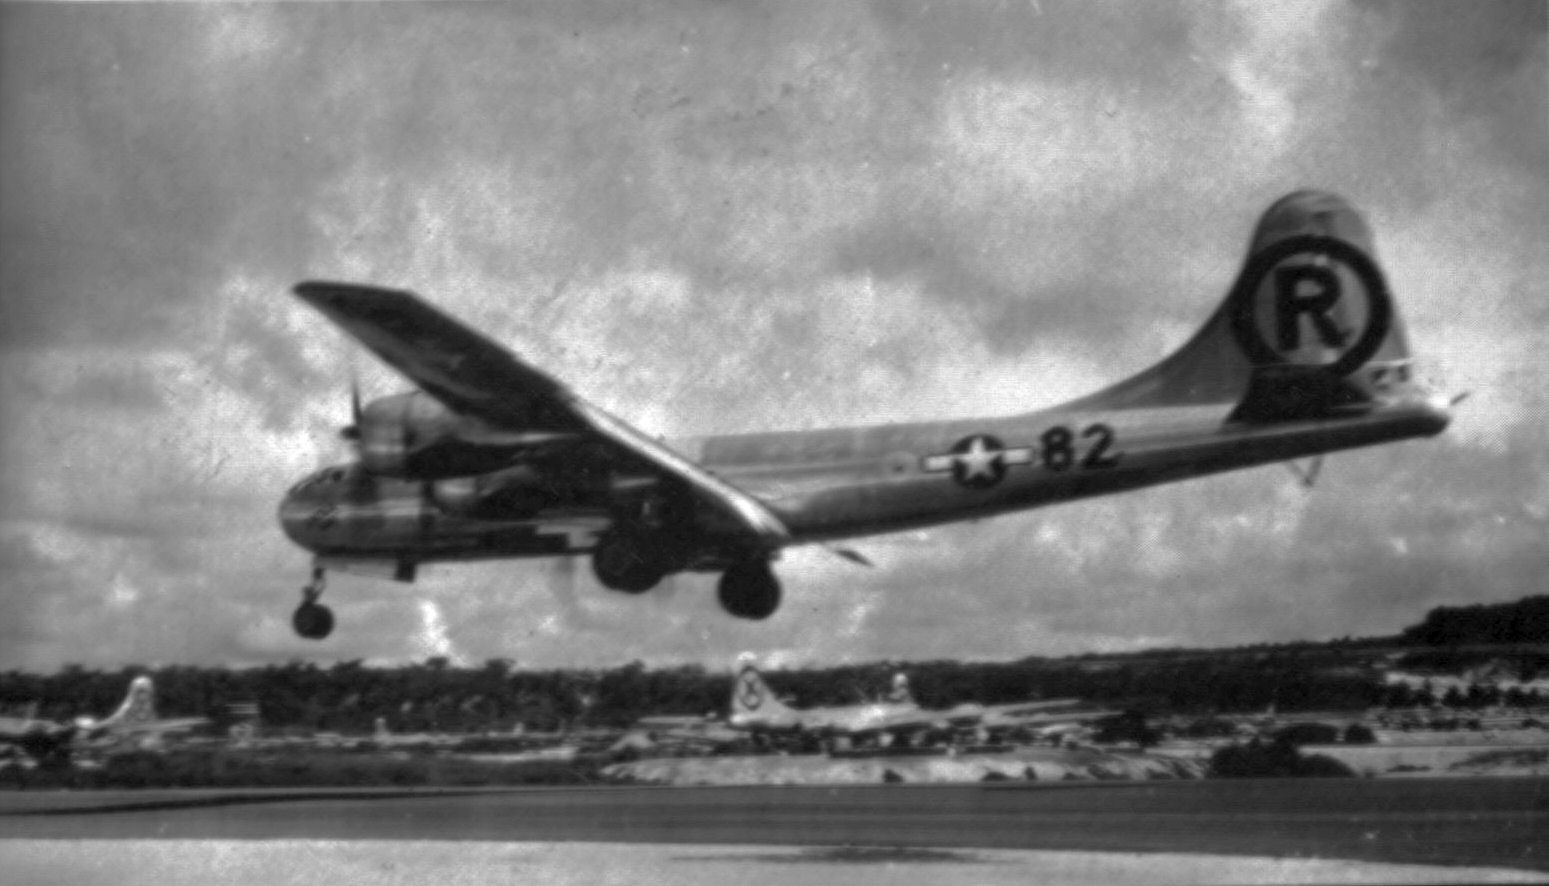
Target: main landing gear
x,y
749,590
633,558
312,619
646,543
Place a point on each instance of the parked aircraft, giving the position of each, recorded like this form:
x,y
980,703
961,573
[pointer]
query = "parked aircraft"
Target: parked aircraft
x,y
34,738
706,734
755,708
492,458
134,721
1030,716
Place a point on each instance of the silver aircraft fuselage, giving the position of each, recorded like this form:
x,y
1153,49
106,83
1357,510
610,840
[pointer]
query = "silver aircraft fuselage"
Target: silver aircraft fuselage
x,y
490,457
834,484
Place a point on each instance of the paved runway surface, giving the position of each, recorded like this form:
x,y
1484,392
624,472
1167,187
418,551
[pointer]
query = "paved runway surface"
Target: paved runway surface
x,y
1498,823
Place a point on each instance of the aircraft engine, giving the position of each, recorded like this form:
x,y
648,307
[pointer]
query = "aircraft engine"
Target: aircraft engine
x,y
508,495
414,437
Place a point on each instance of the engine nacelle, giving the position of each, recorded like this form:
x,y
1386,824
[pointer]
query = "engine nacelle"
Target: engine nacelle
x,y
413,436
396,431
512,494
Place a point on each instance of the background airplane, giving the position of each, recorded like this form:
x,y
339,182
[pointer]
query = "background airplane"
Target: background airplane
x,y
1026,715
133,722
492,458
754,708
35,739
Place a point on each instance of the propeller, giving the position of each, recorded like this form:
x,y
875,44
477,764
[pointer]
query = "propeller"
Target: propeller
x,y
351,431
561,579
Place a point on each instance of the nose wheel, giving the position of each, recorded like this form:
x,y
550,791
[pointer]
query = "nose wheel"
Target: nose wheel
x,y
313,620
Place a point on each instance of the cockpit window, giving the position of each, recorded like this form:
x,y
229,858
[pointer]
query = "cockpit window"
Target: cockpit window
x,y
321,478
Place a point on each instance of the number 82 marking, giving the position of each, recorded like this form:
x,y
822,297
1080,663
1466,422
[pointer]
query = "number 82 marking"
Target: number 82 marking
x,y
1059,449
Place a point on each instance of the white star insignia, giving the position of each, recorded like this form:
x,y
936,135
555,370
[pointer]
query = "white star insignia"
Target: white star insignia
x,y
979,460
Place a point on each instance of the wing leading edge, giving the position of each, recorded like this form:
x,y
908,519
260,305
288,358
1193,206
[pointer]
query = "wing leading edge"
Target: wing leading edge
x,y
473,375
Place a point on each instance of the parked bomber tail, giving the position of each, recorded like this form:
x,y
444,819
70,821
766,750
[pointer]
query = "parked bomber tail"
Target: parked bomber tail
x,y
1308,330
751,697
137,709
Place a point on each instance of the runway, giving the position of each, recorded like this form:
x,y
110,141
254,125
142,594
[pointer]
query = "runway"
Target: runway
x,y
1470,825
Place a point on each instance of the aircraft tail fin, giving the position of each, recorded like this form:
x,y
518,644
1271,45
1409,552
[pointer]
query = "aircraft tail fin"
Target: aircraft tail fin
x,y
751,696
1307,331
137,708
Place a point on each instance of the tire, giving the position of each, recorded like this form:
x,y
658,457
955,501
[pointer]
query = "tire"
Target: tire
x,y
750,590
312,621
627,561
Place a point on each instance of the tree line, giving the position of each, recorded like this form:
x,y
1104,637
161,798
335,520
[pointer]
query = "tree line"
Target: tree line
x,y
1520,621
437,696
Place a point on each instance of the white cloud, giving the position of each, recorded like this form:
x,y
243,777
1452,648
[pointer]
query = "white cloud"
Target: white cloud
x,y
709,227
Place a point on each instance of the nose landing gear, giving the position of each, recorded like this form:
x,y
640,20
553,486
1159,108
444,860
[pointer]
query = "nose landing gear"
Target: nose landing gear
x,y
313,620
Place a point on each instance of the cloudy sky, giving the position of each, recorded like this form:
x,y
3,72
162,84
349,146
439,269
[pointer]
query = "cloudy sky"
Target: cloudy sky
x,y
733,216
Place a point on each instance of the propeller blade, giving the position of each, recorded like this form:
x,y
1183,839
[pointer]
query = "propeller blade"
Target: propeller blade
x,y
561,579
351,431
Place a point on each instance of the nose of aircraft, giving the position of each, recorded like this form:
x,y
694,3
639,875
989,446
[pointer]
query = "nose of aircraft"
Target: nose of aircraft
x,y
293,515
305,513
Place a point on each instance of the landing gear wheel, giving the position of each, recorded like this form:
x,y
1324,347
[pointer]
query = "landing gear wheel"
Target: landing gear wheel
x,y
750,590
313,621
628,561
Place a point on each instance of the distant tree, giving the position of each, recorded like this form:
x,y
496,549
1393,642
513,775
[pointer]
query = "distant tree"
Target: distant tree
x,y
1398,695
1274,759
1129,726
1298,734
1359,733
1482,695
1209,727
1522,621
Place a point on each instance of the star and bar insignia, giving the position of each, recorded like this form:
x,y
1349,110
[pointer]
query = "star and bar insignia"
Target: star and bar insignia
x,y
978,461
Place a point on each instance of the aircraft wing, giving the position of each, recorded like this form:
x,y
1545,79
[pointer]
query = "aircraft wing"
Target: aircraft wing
x,y
148,727
15,729
170,725
1045,719
473,375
